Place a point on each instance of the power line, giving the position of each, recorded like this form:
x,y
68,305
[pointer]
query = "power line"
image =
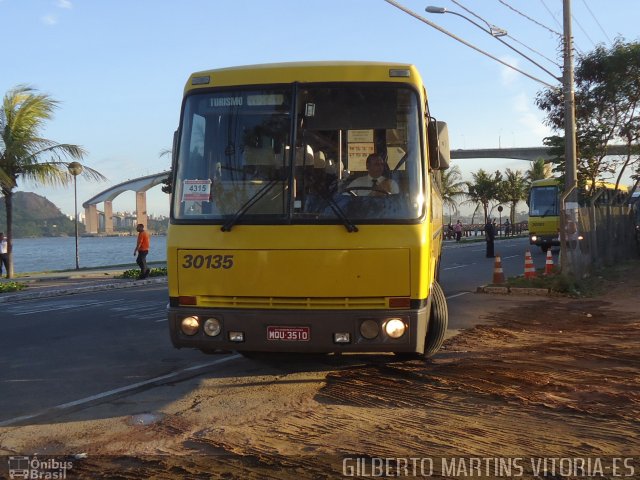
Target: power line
x,y
583,30
557,64
596,20
508,35
530,19
446,32
555,19
551,14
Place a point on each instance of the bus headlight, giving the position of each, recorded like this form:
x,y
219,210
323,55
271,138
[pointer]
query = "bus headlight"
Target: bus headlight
x,y
369,329
534,238
394,327
190,325
212,327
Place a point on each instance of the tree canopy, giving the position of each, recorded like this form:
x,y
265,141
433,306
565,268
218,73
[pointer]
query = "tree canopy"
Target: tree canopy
x,y
25,154
607,98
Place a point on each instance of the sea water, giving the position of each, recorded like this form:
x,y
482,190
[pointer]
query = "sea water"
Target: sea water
x,y
59,253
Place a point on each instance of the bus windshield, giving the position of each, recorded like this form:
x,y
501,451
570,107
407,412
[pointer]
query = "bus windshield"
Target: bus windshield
x,y
291,154
543,201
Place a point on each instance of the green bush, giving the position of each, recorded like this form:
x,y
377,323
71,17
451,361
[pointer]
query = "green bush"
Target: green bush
x,y
588,286
11,287
135,273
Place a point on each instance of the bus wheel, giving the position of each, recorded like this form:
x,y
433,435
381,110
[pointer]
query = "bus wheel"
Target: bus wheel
x,y
438,321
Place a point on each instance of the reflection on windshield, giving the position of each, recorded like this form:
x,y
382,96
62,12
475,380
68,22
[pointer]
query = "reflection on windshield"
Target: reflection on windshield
x,y
544,201
238,163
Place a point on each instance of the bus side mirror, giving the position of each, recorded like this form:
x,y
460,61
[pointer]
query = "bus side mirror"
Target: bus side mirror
x,y
174,150
439,152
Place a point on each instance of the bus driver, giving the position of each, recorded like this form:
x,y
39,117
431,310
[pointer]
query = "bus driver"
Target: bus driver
x,y
374,183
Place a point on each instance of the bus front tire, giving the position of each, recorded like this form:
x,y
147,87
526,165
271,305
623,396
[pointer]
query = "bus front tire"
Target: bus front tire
x,y
438,322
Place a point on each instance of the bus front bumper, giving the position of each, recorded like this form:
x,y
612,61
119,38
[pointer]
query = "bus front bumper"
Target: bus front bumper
x,y
550,240
315,331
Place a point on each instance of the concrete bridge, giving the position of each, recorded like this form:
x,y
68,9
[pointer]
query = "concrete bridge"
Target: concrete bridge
x,y
524,153
142,184
138,185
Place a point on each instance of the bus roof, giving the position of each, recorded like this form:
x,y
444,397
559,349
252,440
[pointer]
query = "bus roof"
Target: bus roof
x,y
275,73
545,182
608,186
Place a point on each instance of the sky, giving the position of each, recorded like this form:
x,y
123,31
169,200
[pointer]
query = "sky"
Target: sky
x,y
118,67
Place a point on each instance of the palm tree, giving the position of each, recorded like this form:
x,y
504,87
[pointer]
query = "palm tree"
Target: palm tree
x,y
452,187
23,151
483,189
538,170
514,188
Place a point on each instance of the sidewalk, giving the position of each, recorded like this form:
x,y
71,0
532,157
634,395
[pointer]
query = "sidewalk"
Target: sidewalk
x,y
52,284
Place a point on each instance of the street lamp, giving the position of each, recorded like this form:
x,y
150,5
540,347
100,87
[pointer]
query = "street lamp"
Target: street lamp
x,y
494,31
75,169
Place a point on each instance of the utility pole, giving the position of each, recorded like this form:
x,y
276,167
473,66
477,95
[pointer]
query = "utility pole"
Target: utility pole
x,y
569,204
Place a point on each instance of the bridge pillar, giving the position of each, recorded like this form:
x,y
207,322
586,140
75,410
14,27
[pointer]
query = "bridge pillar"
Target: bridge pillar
x,y
91,219
108,217
141,208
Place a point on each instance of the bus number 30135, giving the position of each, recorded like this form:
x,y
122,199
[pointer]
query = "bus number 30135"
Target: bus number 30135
x,y
208,261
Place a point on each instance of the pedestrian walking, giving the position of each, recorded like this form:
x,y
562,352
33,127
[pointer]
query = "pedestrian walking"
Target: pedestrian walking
x,y
4,254
507,228
142,249
490,236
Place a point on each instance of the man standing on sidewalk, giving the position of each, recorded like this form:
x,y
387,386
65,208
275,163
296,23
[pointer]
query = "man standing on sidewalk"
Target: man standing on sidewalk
x,y
490,235
4,254
142,249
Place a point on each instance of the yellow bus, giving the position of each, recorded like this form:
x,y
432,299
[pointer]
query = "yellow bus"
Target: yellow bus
x,y
544,207
277,242
544,213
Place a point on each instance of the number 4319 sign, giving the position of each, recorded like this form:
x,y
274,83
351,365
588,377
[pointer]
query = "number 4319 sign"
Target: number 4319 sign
x,y
195,190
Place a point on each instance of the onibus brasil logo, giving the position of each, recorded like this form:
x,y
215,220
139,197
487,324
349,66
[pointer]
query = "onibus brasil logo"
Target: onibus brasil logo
x,y
40,469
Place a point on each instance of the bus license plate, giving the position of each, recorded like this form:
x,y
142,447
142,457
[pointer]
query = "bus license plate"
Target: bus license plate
x,y
289,334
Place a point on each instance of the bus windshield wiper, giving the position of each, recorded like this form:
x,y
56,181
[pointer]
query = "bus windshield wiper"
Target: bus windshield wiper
x,y
248,204
351,228
549,210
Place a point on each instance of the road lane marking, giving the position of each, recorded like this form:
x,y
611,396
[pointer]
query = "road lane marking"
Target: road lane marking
x,y
58,307
452,268
161,320
511,256
457,295
115,391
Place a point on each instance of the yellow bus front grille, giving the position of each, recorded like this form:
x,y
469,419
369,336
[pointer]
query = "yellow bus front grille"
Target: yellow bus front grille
x,y
293,302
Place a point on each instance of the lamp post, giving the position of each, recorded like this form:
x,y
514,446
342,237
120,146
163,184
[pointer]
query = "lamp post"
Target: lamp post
x,y
492,30
75,169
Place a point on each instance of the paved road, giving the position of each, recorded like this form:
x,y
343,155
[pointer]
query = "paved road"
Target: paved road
x,y
60,349
80,348
465,266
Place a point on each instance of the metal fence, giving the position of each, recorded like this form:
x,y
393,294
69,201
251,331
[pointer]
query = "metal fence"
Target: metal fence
x,y
596,237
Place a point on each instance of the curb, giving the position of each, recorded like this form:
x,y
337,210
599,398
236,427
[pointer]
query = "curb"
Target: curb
x,y
514,290
25,295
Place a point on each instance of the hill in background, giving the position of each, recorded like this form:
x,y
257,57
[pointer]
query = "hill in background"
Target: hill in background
x,y
35,216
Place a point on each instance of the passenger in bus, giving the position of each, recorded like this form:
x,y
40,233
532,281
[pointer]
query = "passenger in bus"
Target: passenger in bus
x,y
374,183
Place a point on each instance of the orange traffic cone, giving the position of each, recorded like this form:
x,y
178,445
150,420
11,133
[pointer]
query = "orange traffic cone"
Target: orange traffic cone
x,y
548,266
529,267
498,274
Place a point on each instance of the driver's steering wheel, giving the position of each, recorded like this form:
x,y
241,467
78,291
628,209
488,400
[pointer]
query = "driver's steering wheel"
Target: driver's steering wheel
x,y
351,191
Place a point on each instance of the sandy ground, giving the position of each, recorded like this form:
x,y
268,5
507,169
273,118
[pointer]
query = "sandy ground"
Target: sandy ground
x,y
548,377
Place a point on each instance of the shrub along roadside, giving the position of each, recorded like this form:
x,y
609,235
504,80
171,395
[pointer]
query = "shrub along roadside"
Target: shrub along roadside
x,y
135,273
577,287
6,287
